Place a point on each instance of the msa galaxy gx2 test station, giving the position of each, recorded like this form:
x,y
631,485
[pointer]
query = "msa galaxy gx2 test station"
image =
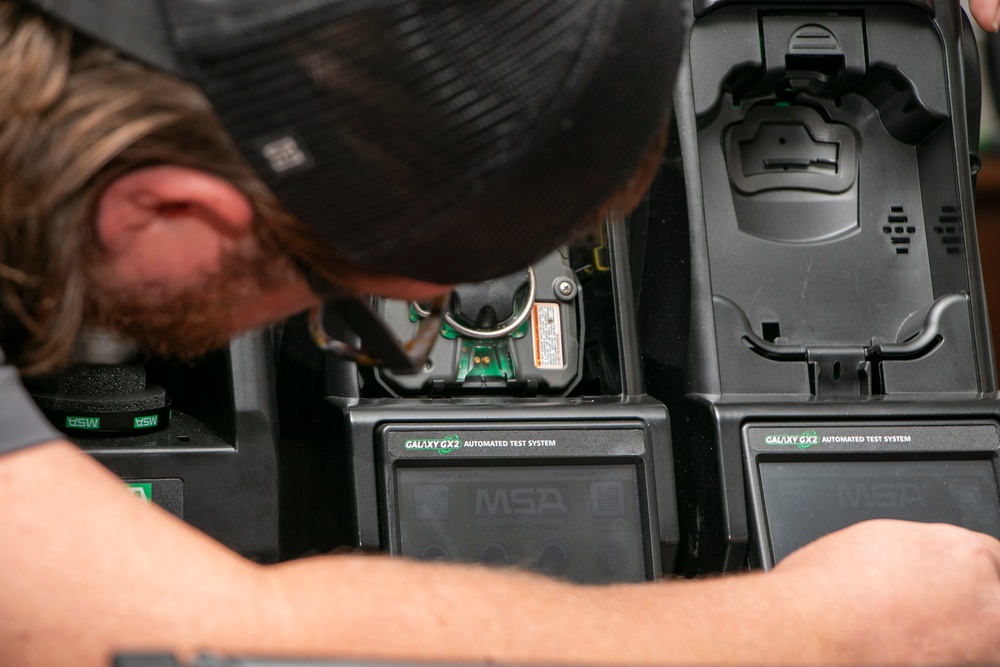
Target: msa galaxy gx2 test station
x,y
826,357
526,439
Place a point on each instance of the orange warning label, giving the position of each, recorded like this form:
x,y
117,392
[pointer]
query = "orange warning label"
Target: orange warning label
x,y
546,332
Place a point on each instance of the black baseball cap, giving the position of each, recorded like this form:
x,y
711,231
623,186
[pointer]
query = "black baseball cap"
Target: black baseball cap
x,y
443,140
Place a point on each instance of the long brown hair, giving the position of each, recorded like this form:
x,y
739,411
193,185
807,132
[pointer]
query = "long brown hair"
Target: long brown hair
x,y
73,117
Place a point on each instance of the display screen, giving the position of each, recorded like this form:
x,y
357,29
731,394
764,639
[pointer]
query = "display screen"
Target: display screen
x,y
579,522
806,500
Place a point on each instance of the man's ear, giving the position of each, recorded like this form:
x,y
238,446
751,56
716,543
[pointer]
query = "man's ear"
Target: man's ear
x,y
142,199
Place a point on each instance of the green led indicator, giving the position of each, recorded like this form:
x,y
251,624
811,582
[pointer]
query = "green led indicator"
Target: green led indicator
x,y
148,421
142,490
84,423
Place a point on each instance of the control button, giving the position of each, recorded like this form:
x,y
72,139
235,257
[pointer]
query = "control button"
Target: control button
x,y
431,502
434,551
552,558
494,553
607,499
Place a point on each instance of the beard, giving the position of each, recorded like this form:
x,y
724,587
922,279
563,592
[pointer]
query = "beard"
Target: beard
x,y
189,322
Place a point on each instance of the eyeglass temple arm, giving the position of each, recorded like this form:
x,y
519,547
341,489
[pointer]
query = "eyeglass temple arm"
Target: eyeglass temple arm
x,y
379,342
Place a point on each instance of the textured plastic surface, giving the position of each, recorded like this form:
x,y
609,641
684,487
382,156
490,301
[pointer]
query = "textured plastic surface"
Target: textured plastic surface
x,y
830,256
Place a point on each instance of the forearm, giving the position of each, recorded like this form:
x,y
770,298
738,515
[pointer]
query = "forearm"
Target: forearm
x,y
445,612
131,577
86,570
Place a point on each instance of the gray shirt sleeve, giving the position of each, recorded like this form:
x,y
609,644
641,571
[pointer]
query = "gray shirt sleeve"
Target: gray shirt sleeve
x,y
21,422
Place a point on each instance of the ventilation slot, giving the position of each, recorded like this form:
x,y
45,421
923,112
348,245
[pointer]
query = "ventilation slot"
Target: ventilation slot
x,y
949,230
898,229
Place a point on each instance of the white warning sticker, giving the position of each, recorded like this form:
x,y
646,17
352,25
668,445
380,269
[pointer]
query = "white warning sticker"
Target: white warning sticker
x,y
546,330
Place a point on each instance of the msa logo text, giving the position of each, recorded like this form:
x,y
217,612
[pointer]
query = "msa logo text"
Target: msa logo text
x,y
146,422
880,495
84,423
519,501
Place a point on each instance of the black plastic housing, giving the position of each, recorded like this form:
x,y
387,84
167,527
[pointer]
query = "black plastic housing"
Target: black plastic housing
x,y
584,432
605,423
216,464
823,250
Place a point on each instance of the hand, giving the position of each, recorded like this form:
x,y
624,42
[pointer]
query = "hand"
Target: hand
x,y
894,591
986,13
